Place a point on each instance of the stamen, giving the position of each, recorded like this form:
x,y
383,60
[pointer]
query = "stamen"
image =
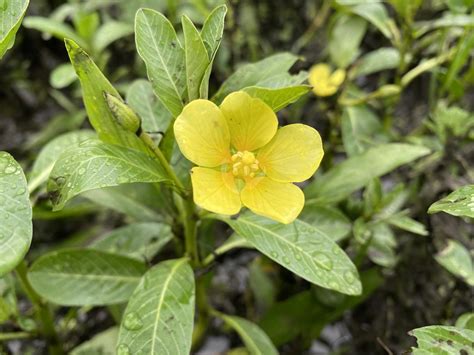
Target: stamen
x,y
244,164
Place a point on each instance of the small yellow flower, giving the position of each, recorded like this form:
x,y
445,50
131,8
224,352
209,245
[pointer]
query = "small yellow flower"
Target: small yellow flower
x,y
323,81
244,159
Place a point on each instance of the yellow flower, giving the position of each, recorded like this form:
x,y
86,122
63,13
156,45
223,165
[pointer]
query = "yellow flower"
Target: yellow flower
x,y
244,159
323,81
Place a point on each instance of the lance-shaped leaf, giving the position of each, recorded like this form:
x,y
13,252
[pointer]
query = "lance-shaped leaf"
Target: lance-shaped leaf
x,y
280,97
139,241
211,34
303,249
44,163
356,172
196,56
85,277
257,74
254,338
160,314
94,85
457,259
95,165
11,14
15,214
155,117
457,203
160,49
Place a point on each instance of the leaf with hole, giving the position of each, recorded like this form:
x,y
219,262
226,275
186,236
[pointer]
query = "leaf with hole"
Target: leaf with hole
x,y
94,165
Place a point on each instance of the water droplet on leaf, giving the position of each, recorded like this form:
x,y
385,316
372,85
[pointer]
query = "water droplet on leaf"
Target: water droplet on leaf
x,y
133,321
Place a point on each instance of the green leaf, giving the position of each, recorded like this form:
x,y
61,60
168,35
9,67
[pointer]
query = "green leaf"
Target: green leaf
x,y
62,76
361,129
447,20
11,14
254,74
377,15
85,277
197,59
139,241
211,34
445,340
344,49
456,259
103,343
213,30
329,220
95,165
55,28
16,227
301,248
160,49
356,172
129,199
278,98
408,224
109,33
44,163
378,60
457,203
466,321
254,338
155,117
160,314
94,84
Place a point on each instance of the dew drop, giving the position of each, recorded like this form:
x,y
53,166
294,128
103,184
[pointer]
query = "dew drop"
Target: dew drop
x,y
133,321
9,169
297,256
349,276
274,254
81,171
323,261
21,191
333,285
286,260
123,349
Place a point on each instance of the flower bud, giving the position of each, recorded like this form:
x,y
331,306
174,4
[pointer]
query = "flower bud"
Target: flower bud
x,y
124,115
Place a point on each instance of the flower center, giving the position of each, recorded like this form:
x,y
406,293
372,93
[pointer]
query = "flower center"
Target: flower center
x,y
244,164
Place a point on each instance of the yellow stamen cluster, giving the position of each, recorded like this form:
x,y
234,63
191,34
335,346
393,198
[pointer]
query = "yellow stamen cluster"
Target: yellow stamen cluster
x,y
244,164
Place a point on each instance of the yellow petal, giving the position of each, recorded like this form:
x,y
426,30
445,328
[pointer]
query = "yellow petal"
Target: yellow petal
x,y
202,134
319,73
337,78
293,155
279,201
324,83
215,191
252,123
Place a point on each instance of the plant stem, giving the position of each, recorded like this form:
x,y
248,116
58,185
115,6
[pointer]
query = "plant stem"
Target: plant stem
x,y
42,311
204,310
15,335
190,231
164,162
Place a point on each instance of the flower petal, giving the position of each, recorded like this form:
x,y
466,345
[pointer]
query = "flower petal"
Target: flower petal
x,y
279,201
325,84
293,155
337,78
215,191
252,123
202,134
